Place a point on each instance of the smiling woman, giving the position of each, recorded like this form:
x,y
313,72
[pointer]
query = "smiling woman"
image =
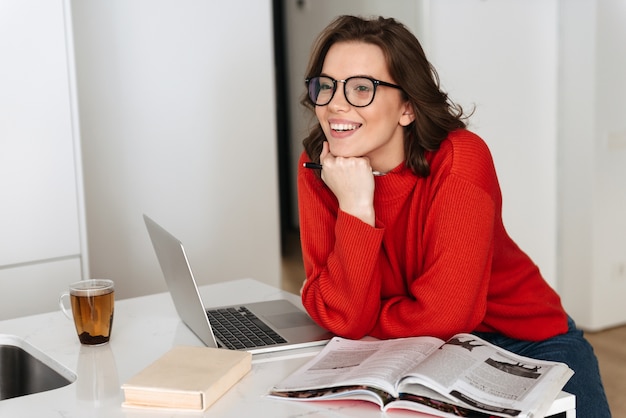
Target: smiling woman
x,y
421,250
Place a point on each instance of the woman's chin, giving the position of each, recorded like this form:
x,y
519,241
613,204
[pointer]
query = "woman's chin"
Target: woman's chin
x,y
344,152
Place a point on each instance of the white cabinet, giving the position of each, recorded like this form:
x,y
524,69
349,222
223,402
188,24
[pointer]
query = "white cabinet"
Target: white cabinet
x,y
40,193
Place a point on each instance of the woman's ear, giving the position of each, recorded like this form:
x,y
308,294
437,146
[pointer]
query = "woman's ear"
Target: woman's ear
x,y
407,115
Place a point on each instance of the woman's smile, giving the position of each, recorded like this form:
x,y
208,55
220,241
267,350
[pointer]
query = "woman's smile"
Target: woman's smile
x,y
342,127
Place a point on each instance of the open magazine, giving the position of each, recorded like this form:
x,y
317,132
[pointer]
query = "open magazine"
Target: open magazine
x,y
464,376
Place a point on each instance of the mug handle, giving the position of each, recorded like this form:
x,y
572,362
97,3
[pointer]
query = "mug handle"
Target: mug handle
x,y
66,311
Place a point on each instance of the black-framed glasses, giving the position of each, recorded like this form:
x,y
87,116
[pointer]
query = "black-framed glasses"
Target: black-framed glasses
x,y
359,91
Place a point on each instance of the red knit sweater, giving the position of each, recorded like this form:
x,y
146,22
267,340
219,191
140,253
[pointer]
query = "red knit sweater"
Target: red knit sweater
x,y
437,262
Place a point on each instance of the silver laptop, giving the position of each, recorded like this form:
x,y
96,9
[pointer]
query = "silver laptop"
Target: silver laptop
x,y
259,327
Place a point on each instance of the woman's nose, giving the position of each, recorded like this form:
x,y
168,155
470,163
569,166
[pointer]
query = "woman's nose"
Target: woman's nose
x,y
339,101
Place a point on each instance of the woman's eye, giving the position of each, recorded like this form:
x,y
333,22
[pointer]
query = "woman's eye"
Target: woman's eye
x,y
361,89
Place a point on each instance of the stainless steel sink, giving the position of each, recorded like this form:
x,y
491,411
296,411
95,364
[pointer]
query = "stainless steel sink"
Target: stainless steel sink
x,y
25,370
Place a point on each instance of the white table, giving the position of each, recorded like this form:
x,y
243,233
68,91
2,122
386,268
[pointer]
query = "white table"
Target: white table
x,y
145,328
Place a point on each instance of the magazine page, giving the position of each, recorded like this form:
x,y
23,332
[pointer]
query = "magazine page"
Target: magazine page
x,y
348,364
422,399
471,371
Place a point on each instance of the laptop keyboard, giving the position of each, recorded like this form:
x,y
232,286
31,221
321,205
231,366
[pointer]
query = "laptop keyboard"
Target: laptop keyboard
x,y
238,329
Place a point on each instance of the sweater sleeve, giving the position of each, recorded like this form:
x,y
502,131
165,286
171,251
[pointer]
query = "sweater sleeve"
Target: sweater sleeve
x,y
346,261
450,293
340,255
461,205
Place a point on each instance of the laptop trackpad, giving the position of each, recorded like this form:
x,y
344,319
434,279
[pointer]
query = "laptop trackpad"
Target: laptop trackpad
x,y
290,320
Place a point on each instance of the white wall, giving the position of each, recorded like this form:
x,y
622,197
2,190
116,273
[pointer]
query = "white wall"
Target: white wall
x,y
592,161
177,113
42,246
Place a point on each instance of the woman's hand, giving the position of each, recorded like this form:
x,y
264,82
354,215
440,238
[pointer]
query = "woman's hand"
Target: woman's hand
x,y
352,182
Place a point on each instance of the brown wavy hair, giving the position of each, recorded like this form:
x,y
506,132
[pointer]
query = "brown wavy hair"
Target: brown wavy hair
x,y
435,114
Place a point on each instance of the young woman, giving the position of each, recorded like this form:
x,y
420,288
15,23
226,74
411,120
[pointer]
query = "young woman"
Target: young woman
x,y
401,228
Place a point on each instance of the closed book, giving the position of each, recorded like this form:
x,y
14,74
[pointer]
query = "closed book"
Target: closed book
x,y
186,377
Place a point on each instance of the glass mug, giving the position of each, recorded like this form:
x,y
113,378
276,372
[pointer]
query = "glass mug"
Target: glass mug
x,y
92,309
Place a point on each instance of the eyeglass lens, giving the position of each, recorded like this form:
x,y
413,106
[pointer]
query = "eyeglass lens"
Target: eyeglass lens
x,y
359,91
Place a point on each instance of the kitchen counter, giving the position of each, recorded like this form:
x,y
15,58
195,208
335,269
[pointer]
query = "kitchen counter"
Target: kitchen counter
x,y
146,327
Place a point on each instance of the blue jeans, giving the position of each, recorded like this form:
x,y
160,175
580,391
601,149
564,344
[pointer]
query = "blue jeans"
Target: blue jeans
x,y
572,349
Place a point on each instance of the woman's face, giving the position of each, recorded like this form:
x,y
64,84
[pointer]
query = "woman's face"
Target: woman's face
x,y
375,131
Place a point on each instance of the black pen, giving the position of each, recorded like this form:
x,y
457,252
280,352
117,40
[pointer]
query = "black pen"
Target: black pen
x,y
316,166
